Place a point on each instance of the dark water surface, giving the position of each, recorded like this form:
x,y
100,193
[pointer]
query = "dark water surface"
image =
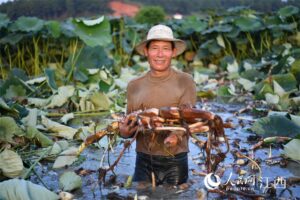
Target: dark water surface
x,y
196,190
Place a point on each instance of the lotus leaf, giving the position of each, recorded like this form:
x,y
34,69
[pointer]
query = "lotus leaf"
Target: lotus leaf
x,y
9,128
295,70
67,117
12,38
276,125
247,84
59,129
288,11
42,139
4,20
27,24
25,190
64,93
66,158
69,181
291,149
59,146
261,89
100,101
11,163
220,28
38,102
93,34
287,81
272,98
53,28
193,24
50,77
4,108
248,24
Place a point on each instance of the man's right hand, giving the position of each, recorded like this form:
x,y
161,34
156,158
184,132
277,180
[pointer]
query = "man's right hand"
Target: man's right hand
x,y
128,126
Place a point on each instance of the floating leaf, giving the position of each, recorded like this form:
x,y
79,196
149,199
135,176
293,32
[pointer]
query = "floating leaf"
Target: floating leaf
x,y
4,20
27,24
69,181
59,129
93,34
21,189
292,149
288,11
54,28
66,158
276,125
12,38
11,163
248,24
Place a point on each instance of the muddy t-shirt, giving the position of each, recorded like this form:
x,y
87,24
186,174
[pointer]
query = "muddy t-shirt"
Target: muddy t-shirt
x,y
175,89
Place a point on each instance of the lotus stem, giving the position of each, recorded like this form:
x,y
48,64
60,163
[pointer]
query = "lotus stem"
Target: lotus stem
x,y
25,176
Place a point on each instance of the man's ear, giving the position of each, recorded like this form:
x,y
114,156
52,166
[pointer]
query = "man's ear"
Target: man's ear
x,y
145,51
174,52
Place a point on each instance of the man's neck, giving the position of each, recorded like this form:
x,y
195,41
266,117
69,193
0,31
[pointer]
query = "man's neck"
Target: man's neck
x,y
160,73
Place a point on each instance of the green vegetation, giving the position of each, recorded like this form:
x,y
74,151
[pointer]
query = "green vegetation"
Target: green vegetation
x,y
150,15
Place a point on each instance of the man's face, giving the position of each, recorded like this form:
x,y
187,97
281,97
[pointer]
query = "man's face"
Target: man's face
x,y
159,54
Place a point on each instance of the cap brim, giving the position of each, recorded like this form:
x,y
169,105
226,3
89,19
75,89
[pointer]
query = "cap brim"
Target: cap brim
x,y
180,45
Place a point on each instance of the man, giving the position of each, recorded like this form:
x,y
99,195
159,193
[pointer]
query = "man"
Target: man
x,y
161,86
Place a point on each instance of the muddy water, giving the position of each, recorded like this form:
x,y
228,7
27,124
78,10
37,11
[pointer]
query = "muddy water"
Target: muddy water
x,y
237,138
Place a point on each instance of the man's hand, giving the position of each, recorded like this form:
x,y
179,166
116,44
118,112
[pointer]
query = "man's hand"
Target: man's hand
x,y
128,126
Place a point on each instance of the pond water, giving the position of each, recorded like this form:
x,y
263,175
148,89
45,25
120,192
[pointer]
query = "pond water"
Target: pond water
x,y
196,190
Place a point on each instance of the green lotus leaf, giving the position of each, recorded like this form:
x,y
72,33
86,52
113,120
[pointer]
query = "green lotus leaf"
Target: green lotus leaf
x,y
11,164
15,91
12,38
42,139
252,75
69,181
222,28
5,109
193,24
295,70
234,33
4,20
21,189
54,28
261,89
93,34
276,125
292,149
272,20
248,24
287,81
100,101
288,11
9,128
27,24
50,77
